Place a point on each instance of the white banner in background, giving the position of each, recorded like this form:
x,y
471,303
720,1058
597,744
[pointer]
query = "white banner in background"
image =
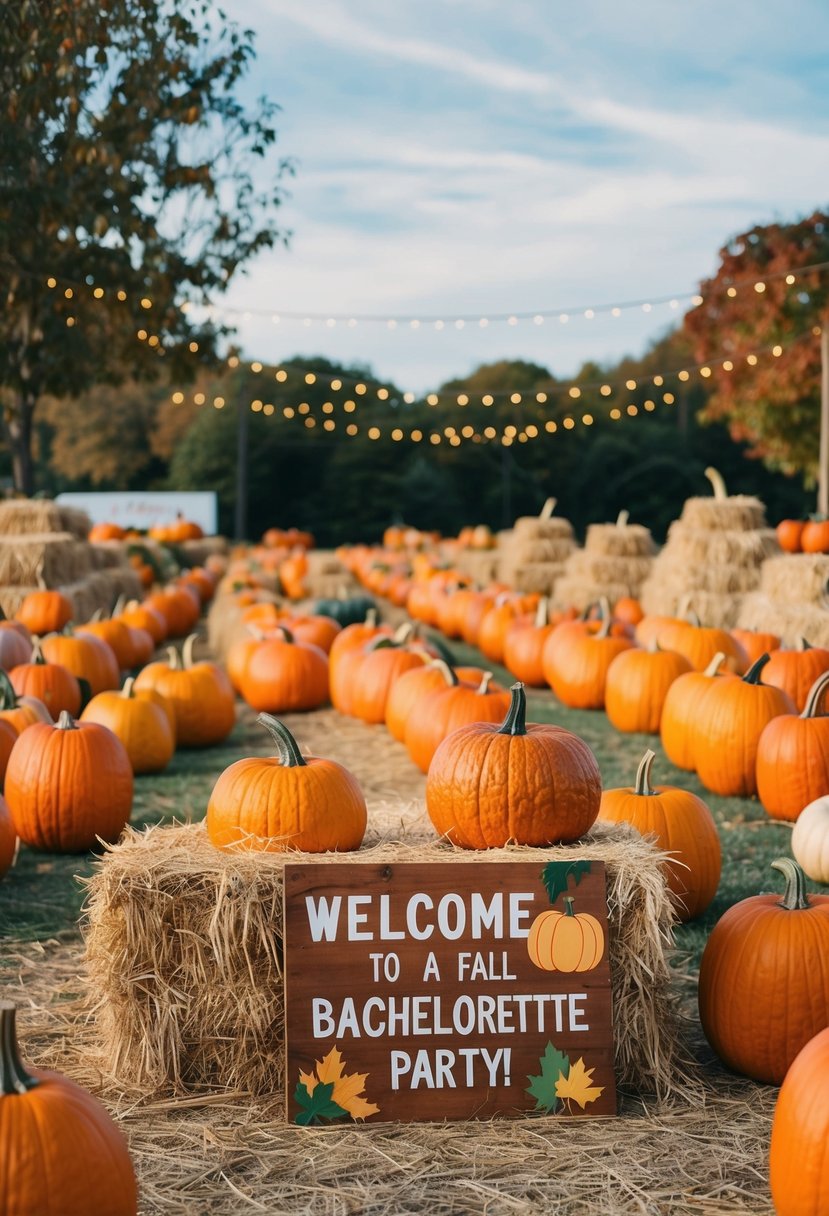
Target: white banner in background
x,y
147,508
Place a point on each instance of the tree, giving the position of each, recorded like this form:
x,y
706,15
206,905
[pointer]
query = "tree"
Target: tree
x,y
764,295
129,194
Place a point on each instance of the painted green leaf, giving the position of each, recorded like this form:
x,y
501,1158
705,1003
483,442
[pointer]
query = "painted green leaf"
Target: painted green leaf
x,y
543,1087
556,875
317,1105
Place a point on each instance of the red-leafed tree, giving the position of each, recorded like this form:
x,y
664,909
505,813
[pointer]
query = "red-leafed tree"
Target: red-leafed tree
x,y
758,327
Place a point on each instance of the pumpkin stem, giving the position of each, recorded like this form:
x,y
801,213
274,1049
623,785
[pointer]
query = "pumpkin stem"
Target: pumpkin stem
x,y
37,653
622,519
119,605
605,629
287,636
446,671
13,1076
548,508
66,721
802,644
371,618
754,672
643,775
717,483
716,663
187,651
287,747
97,615
8,697
684,606
794,898
653,646
604,608
128,690
403,633
542,613
483,687
815,697
568,905
173,658
692,617
515,722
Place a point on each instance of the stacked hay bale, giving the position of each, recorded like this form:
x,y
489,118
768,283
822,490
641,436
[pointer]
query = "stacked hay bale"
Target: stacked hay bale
x,y
615,561
791,600
532,557
327,577
712,558
43,545
481,565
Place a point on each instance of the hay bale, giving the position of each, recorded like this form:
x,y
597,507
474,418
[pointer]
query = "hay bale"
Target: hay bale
x,y
535,578
720,611
96,592
542,526
796,578
183,952
24,516
572,591
791,622
481,565
196,552
738,513
531,552
675,574
620,539
696,545
50,560
630,571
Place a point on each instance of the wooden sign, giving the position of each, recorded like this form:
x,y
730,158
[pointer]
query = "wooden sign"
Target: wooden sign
x,y
447,990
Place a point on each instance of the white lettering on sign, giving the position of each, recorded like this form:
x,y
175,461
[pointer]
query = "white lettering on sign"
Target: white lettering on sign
x,y
368,917
445,1069
507,1013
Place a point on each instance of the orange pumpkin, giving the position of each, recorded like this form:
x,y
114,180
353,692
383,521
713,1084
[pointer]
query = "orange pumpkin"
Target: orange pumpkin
x,y
88,657
790,534
763,982
437,714
8,838
755,644
735,713
144,727
493,628
568,941
101,532
283,675
62,1152
200,695
524,645
815,536
144,616
578,671
50,683
318,630
67,785
681,716
8,738
477,606
628,610
683,826
699,645
383,663
286,801
412,685
793,757
795,671
637,684
535,785
179,606
45,612
21,712
117,635
798,1155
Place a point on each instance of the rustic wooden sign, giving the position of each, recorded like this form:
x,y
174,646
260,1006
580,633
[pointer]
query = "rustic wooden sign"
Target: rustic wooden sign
x,y
447,990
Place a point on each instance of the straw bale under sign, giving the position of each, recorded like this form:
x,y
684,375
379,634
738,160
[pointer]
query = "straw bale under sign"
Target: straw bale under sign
x,y
23,516
184,956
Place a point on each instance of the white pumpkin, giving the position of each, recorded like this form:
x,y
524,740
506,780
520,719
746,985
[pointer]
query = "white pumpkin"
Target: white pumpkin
x,y
810,840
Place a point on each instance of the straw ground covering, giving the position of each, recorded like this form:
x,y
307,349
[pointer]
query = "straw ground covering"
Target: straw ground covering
x,y
231,1154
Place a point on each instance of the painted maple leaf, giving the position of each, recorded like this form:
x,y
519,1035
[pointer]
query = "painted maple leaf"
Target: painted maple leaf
x,y
348,1087
544,1086
577,1085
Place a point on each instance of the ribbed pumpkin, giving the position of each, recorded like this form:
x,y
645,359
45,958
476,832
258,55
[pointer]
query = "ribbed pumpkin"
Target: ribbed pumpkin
x,y
283,675
578,671
89,658
651,627
117,636
681,716
144,616
347,653
793,757
735,712
45,612
637,685
755,644
21,712
524,645
412,685
282,802
437,714
60,1151
180,607
8,738
534,785
383,663
477,606
799,1150
492,631
810,840
699,644
763,981
795,671
50,683
682,825
142,725
8,838
200,694
68,784
239,654
318,630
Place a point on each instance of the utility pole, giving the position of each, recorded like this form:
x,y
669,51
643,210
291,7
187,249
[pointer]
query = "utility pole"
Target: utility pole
x,y
823,459
241,515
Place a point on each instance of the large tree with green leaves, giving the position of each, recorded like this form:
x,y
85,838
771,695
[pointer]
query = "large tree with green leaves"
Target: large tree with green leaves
x,y
133,186
759,328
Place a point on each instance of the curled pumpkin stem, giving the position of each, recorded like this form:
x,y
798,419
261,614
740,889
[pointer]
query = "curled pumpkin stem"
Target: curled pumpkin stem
x,y
13,1076
643,775
794,897
287,748
515,723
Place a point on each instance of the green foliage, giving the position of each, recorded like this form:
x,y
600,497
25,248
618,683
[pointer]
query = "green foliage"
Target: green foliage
x,y
557,874
317,1105
554,1064
127,163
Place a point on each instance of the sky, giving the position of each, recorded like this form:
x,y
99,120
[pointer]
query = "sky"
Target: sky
x,y
467,158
